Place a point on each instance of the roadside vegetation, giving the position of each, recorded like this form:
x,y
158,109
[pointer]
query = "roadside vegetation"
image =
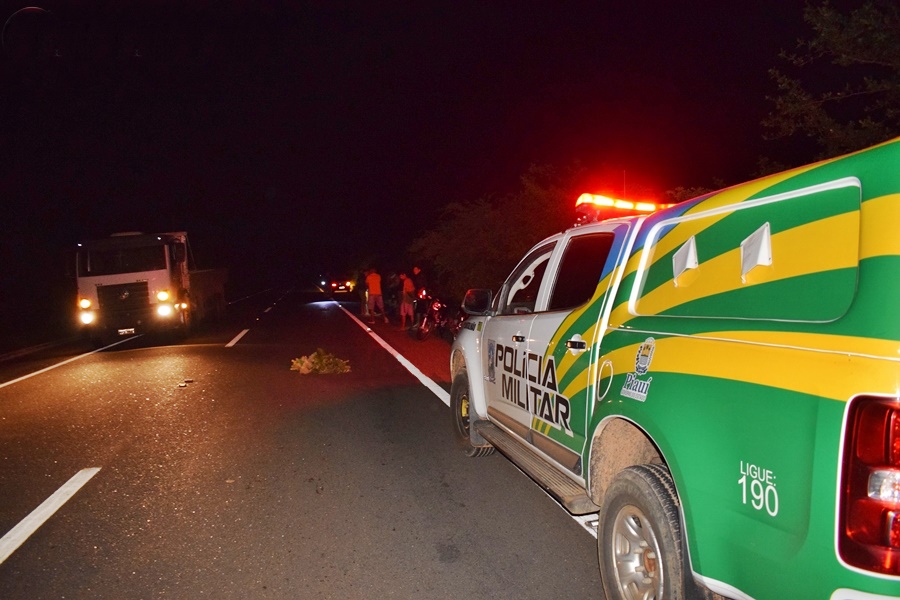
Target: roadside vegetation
x,y
477,242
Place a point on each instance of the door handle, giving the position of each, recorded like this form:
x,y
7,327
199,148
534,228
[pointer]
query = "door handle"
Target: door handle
x,y
576,345
518,338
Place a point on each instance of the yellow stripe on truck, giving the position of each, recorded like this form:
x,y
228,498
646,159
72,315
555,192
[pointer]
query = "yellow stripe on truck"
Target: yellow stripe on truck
x,y
833,375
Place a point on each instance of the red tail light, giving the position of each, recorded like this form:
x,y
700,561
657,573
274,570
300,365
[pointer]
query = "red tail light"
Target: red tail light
x,y
869,535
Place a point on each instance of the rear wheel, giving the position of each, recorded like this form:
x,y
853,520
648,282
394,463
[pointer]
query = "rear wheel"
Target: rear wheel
x,y
459,406
640,540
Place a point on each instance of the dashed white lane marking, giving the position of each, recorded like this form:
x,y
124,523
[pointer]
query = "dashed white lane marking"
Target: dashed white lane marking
x,y
438,391
65,362
588,522
10,542
237,338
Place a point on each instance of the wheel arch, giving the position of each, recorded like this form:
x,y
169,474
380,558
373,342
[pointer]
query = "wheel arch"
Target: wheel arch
x,y
460,363
618,443
457,363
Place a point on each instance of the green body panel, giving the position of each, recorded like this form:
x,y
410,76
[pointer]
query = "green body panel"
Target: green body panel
x,y
760,413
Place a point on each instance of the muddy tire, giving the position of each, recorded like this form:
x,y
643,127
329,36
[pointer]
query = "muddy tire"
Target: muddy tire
x,y
459,407
639,541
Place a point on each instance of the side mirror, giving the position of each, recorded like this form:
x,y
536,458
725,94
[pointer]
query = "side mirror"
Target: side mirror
x,y
477,302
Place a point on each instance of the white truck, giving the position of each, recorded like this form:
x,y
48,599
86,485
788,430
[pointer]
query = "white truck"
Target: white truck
x,y
133,283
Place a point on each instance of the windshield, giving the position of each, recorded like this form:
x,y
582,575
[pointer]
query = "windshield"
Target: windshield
x,y
121,260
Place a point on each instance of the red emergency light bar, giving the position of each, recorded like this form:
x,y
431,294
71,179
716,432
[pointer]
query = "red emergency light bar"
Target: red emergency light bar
x,y
595,207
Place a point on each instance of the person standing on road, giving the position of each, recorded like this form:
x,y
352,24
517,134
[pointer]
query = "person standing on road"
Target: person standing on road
x,y
407,297
390,293
420,284
373,283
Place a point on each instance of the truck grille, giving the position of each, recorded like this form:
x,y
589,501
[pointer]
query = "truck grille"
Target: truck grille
x,y
124,297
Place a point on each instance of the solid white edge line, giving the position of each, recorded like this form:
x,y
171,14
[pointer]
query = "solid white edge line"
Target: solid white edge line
x,y
237,338
437,390
65,362
10,542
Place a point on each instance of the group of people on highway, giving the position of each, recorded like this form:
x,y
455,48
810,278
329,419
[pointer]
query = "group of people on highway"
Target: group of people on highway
x,y
407,290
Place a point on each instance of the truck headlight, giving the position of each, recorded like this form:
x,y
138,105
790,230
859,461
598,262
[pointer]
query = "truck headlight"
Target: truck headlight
x,y
164,310
162,295
87,316
84,303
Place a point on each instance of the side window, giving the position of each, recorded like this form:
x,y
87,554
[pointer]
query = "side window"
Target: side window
x,y
581,270
523,285
742,261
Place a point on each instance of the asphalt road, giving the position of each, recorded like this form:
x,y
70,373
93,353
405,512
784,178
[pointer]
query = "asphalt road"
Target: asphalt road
x,y
217,472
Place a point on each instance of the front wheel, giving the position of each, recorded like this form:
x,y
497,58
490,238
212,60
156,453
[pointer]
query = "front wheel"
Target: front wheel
x,y
639,541
425,328
459,406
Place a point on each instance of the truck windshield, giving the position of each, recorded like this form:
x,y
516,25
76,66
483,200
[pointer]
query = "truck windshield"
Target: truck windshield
x,y
121,260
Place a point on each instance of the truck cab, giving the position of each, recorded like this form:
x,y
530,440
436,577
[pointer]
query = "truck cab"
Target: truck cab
x,y
133,283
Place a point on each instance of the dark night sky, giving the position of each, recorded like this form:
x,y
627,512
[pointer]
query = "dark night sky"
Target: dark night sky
x,y
288,135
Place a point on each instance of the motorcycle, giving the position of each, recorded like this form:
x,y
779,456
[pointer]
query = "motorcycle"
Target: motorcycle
x,y
438,316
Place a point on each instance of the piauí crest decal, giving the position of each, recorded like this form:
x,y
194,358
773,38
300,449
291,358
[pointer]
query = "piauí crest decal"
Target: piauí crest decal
x,y
635,387
644,356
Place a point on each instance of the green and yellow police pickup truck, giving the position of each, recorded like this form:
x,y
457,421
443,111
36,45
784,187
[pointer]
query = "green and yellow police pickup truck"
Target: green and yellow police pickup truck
x,y
720,380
